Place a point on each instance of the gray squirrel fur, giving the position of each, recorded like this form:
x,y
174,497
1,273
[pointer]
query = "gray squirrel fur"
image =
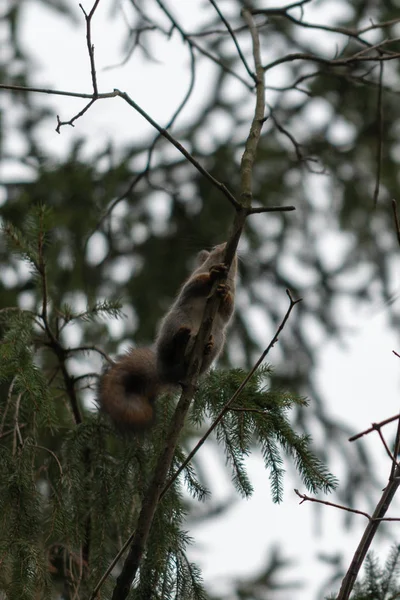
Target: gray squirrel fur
x,y
128,389
181,324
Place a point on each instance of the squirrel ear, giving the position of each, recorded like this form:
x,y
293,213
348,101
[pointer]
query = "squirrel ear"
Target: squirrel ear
x,y
202,257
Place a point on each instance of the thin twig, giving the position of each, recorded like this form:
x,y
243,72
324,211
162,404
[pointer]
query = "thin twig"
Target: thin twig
x,y
387,449
179,147
10,431
263,209
233,36
160,129
378,520
283,12
52,454
202,50
146,170
374,427
21,88
305,498
90,46
75,117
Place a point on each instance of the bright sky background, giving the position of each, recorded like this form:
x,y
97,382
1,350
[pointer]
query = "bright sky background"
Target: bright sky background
x,y
359,379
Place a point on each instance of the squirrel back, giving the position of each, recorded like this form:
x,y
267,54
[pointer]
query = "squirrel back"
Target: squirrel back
x,y
128,388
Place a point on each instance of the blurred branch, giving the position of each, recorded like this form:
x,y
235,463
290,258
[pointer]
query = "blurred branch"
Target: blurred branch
x,y
233,36
379,146
358,57
353,33
146,170
200,49
179,147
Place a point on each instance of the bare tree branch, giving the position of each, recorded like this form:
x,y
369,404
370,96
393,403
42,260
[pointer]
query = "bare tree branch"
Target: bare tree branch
x,y
90,46
233,36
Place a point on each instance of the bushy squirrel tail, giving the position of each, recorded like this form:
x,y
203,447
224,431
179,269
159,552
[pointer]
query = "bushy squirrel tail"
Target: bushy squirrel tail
x,y
128,388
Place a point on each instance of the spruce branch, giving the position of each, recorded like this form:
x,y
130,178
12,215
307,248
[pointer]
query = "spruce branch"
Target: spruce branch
x,y
230,402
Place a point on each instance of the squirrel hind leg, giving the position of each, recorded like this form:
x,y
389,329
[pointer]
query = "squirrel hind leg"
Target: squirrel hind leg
x,y
171,355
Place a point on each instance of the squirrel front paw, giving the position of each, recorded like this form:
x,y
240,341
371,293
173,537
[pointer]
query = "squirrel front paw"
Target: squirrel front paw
x,y
223,290
217,271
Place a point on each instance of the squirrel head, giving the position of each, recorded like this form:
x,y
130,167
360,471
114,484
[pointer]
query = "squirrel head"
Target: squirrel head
x,y
207,259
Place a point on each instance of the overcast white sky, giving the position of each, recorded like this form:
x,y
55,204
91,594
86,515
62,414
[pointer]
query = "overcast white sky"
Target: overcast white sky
x,y
359,380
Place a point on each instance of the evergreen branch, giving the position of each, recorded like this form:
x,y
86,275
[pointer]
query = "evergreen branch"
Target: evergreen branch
x,y
52,454
9,396
227,406
274,461
110,308
235,458
10,431
17,432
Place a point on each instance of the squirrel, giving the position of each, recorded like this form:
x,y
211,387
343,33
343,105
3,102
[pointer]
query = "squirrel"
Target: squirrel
x,y
179,328
128,389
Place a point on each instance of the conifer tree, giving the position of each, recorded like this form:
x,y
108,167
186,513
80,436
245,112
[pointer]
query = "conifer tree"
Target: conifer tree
x,y
83,273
